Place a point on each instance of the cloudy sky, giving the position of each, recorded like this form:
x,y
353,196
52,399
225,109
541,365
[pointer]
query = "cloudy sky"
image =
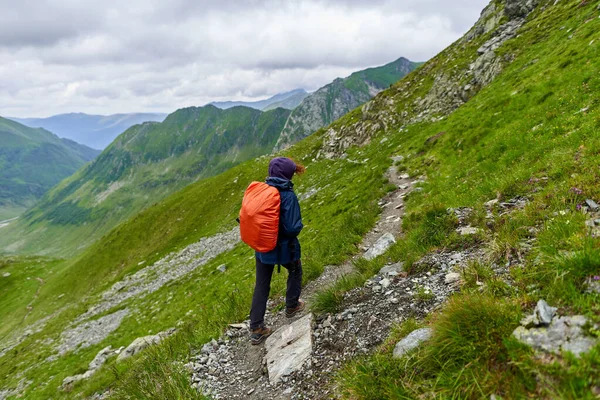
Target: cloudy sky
x,y
112,56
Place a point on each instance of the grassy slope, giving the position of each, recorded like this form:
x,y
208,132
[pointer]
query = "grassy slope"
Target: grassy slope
x,y
142,166
334,100
31,162
490,149
526,134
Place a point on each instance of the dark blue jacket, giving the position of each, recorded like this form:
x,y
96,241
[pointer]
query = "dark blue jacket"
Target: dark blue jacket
x,y
290,225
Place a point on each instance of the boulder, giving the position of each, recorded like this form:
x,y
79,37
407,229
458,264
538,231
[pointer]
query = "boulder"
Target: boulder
x,y
141,343
412,341
451,277
222,268
543,314
381,246
392,270
288,348
468,230
593,206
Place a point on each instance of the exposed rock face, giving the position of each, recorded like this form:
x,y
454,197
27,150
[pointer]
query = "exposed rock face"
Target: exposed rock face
x,y
519,8
289,348
448,90
95,364
412,341
333,101
141,343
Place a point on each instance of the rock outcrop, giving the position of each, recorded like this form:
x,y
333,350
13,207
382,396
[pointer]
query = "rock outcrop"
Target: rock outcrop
x,y
98,361
454,83
141,343
289,348
412,341
336,99
547,332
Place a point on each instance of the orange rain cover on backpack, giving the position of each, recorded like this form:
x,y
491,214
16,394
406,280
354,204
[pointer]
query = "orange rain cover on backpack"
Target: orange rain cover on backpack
x,y
259,217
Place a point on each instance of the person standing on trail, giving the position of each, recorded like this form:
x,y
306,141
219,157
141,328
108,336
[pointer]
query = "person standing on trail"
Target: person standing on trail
x,y
286,252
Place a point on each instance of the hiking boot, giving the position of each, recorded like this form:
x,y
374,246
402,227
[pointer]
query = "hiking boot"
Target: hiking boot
x,y
259,335
290,312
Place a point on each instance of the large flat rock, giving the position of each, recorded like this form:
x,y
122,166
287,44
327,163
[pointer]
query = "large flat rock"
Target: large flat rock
x,y
288,348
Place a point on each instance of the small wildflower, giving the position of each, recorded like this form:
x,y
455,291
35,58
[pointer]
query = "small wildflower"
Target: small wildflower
x,y
576,190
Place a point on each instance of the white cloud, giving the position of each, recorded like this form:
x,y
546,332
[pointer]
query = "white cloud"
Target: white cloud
x,y
112,56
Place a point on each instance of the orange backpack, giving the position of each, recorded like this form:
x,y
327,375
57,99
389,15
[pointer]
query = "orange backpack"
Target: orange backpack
x,y
259,217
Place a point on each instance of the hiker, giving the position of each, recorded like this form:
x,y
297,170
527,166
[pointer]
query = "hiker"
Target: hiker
x,y
286,252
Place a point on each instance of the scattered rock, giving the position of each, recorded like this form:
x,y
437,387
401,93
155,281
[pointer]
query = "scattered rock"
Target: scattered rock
x,y
171,267
392,270
491,203
380,247
468,230
592,284
412,341
289,348
451,277
6,274
543,314
593,206
91,332
562,334
222,268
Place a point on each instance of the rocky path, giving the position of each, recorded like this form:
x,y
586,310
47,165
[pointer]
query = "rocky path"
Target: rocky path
x,y
232,368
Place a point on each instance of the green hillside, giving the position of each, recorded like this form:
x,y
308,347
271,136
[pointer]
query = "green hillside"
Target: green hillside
x,y
143,165
334,100
31,162
528,130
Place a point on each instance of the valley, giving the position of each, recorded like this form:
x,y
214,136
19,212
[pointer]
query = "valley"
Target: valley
x,y
451,246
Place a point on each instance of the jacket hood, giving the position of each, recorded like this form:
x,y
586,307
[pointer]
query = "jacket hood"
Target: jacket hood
x,y
282,167
280,183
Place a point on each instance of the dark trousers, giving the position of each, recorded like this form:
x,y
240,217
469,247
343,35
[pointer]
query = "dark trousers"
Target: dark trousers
x,y
264,272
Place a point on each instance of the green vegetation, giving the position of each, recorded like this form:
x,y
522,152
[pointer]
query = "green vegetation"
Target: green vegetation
x,y
142,166
512,139
31,162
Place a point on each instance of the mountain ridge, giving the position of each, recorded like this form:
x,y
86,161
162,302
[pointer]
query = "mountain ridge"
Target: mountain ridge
x,y
501,213
288,100
95,131
334,100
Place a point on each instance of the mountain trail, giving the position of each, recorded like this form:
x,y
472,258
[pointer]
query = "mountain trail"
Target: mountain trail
x,y
232,368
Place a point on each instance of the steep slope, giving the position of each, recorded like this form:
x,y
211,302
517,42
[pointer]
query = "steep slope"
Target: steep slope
x,y
31,162
95,131
505,198
143,165
288,100
334,100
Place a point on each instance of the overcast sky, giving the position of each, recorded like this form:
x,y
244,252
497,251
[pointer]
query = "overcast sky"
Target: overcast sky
x,y
114,56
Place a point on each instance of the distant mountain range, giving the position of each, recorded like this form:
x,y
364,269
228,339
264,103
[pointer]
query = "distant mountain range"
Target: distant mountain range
x,y
143,165
31,162
288,100
152,160
95,131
